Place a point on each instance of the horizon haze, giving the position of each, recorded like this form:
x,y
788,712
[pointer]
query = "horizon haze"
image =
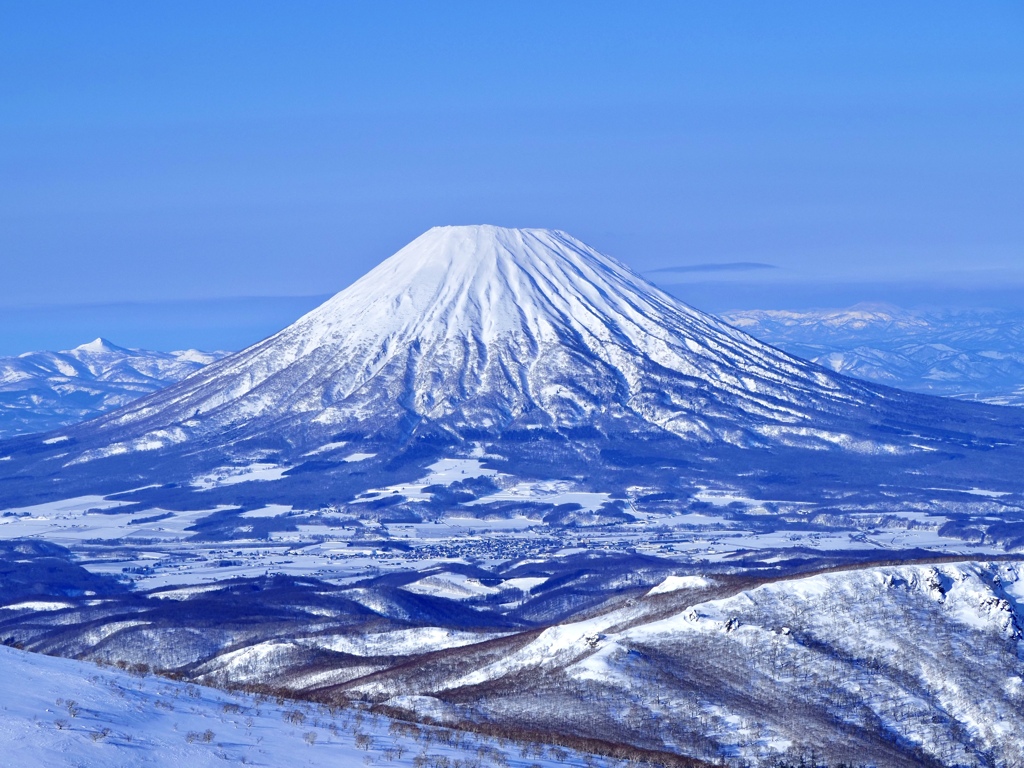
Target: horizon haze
x,y
156,157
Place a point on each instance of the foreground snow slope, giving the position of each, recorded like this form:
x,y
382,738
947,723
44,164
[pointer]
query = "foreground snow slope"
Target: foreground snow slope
x,y
58,712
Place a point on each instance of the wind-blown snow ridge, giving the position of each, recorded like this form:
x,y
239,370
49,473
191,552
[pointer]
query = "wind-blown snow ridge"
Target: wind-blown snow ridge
x,y
489,328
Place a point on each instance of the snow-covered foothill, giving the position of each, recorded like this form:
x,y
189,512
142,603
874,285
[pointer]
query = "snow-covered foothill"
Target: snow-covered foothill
x,y
676,583
927,653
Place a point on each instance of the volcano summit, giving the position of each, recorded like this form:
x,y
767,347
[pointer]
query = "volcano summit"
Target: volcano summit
x,y
482,330
479,331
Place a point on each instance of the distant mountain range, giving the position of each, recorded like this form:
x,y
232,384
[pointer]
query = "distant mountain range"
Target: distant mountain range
x,y
973,355
41,391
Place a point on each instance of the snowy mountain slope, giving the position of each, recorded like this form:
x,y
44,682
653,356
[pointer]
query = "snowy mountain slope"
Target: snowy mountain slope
x,y
926,659
976,355
915,664
60,712
487,329
41,391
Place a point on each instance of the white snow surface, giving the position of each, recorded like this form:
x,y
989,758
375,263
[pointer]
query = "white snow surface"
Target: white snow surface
x,y
257,471
403,641
59,712
453,586
676,583
546,492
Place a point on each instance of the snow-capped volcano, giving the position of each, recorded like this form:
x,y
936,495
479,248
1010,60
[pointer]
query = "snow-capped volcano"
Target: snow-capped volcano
x,y
488,329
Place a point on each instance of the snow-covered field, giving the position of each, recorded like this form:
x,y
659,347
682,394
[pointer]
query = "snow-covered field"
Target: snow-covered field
x,y
159,547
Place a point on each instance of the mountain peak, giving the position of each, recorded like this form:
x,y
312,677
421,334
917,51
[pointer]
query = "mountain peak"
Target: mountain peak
x,y
98,345
483,283
484,329
474,236
486,252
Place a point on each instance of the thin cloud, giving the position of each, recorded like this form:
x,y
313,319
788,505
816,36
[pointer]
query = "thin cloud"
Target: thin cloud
x,y
729,266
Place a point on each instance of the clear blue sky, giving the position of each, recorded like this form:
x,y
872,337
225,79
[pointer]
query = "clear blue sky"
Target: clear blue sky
x,y
168,154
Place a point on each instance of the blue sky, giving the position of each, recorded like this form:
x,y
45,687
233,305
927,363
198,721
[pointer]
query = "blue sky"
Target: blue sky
x,y
169,159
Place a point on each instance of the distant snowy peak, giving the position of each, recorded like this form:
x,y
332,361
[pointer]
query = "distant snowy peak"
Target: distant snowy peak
x,y
483,328
196,356
102,352
98,346
858,318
